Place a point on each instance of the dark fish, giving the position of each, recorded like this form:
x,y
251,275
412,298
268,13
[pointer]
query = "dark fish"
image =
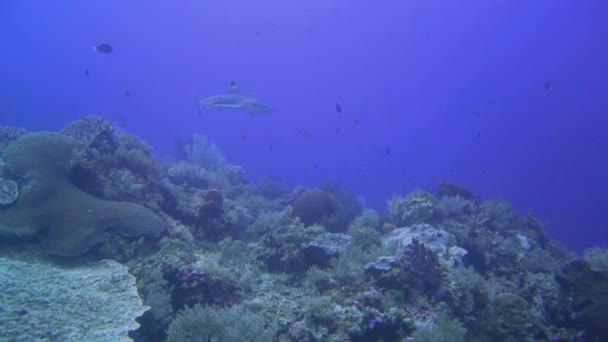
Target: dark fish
x,y
338,108
338,130
478,136
306,169
478,114
356,122
387,151
303,133
269,148
258,32
404,170
315,165
243,138
548,85
103,48
127,92
86,72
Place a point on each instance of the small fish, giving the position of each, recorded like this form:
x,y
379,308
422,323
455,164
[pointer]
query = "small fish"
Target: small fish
x,y
303,133
306,169
356,122
243,138
315,165
404,169
338,130
86,72
387,151
478,136
338,108
269,148
548,85
478,114
103,48
127,92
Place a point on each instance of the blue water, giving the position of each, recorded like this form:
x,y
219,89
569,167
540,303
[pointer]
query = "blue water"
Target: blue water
x,y
454,91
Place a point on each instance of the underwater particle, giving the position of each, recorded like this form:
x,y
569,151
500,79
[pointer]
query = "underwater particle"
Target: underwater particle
x,y
258,32
315,165
306,169
387,150
270,148
86,72
127,92
404,169
548,85
9,192
243,138
338,108
478,135
356,122
103,48
338,130
478,114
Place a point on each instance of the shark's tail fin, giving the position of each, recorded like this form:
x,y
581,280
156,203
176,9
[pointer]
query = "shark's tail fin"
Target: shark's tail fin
x,y
199,103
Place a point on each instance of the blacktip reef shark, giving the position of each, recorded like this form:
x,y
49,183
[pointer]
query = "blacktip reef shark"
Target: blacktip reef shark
x,y
234,100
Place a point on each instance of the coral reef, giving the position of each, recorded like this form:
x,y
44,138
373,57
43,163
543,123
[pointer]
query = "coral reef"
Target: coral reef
x,y
66,220
236,260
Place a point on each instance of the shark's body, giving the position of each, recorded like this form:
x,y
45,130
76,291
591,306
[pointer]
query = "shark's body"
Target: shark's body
x,y
234,100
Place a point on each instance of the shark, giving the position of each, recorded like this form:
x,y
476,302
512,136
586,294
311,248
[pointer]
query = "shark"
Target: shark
x,y
234,100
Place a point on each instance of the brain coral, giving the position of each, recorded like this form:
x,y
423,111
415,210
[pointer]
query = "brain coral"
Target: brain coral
x,y
316,206
66,220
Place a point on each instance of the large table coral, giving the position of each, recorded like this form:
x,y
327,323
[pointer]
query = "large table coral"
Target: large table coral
x,y
45,301
66,220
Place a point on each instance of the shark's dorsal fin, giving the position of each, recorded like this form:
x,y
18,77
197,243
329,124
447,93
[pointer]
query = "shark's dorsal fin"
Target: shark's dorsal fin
x,y
234,88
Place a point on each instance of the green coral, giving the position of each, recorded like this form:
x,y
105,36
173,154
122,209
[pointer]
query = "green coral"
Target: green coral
x,y
204,323
443,329
71,219
510,319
